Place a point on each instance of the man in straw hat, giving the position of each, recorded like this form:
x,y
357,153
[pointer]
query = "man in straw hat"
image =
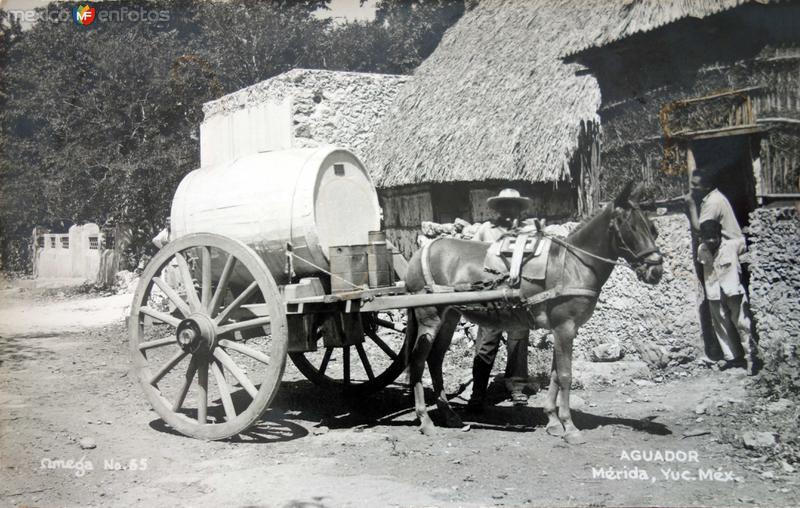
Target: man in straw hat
x,y
509,206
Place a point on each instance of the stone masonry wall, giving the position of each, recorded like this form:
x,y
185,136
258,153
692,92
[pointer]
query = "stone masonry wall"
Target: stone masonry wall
x,y
775,295
341,108
639,316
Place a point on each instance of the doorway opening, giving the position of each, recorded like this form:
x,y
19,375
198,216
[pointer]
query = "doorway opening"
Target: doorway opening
x,y
728,161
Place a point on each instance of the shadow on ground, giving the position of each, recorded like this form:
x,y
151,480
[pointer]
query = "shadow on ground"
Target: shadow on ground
x,y
301,405
16,350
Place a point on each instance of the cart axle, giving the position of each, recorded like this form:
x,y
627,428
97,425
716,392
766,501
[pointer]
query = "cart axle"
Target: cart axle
x,y
195,333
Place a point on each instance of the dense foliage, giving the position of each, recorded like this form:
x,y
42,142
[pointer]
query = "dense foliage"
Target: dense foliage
x,y
100,122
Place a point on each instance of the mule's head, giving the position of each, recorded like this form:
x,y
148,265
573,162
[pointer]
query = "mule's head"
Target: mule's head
x,y
634,237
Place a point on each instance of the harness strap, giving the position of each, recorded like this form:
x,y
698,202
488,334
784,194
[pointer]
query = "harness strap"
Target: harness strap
x,y
426,270
623,246
516,263
557,291
516,260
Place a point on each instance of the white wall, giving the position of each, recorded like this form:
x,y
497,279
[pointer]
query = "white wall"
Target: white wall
x,y
256,128
297,109
70,255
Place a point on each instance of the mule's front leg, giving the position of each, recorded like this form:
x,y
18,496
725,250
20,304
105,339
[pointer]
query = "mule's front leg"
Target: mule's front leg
x,y
564,337
435,360
422,348
554,425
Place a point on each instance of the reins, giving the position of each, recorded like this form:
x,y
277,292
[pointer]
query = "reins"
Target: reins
x,y
574,249
640,257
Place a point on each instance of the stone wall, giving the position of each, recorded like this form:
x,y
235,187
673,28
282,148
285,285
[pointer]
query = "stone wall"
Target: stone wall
x,y
297,109
775,295
640,316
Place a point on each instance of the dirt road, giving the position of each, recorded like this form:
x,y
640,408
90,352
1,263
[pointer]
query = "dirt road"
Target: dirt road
x,y
315,449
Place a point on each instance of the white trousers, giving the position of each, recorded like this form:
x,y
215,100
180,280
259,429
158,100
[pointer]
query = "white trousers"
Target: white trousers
x,y
731,318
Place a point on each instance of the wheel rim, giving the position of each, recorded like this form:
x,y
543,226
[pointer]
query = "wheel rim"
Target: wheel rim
x,y
208,361
362,368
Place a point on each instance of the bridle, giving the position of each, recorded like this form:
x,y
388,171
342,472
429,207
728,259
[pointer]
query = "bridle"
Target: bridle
x,y
620,245
638,258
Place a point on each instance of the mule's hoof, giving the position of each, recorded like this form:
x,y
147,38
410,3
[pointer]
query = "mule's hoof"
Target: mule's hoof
x,y
427,429
574,437
555,429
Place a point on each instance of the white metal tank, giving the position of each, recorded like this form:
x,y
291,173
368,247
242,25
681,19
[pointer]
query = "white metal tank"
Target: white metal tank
x,y
314,198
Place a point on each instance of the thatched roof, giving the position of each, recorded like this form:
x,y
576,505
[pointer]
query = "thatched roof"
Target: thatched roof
x,y
630,17
494,101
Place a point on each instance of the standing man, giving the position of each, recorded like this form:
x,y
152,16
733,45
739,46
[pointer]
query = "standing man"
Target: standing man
x,y
509,206
713,205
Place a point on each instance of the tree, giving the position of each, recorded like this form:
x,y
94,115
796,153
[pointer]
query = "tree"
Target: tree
x,y
249,41
102,122
97,121
415,28
13,246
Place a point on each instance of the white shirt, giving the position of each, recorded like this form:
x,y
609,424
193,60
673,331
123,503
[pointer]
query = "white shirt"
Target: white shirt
x,y
715,206
489,232
162,238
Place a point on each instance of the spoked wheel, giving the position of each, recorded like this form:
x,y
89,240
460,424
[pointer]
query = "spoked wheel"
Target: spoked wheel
x,y
208,336
365,367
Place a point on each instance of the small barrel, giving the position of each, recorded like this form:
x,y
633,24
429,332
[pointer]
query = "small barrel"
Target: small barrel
x,y
348,262
379,261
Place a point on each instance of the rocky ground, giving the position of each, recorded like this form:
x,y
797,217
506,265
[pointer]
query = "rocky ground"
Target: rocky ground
x,y
75,430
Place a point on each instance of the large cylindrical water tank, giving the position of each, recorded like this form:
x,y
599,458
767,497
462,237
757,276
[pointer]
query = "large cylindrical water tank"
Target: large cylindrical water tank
x,y
314,198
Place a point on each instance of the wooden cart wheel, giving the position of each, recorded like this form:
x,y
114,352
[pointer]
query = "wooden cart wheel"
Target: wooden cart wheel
x,y
362,368
208,335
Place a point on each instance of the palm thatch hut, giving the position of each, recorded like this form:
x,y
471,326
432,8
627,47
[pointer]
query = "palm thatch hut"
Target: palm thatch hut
x,y
492,107
712,85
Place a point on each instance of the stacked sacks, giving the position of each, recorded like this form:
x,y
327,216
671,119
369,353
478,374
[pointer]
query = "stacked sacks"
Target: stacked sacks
x,y
459,229
463,230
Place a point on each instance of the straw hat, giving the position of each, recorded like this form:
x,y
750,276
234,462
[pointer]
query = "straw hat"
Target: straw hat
x,y
510,197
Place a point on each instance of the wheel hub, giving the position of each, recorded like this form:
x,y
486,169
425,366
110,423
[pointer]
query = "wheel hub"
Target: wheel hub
x,y
196,333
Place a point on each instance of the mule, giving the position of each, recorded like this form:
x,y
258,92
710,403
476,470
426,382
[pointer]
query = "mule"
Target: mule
x,y
588,256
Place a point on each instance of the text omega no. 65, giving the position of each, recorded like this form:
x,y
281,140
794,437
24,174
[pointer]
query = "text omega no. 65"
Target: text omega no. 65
x,y
83,465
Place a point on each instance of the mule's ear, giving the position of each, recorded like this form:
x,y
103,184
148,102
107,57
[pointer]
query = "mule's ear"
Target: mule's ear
x,y
636,192
624,197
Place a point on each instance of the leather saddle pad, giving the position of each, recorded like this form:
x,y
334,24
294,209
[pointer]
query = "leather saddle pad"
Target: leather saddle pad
x,y
534,254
